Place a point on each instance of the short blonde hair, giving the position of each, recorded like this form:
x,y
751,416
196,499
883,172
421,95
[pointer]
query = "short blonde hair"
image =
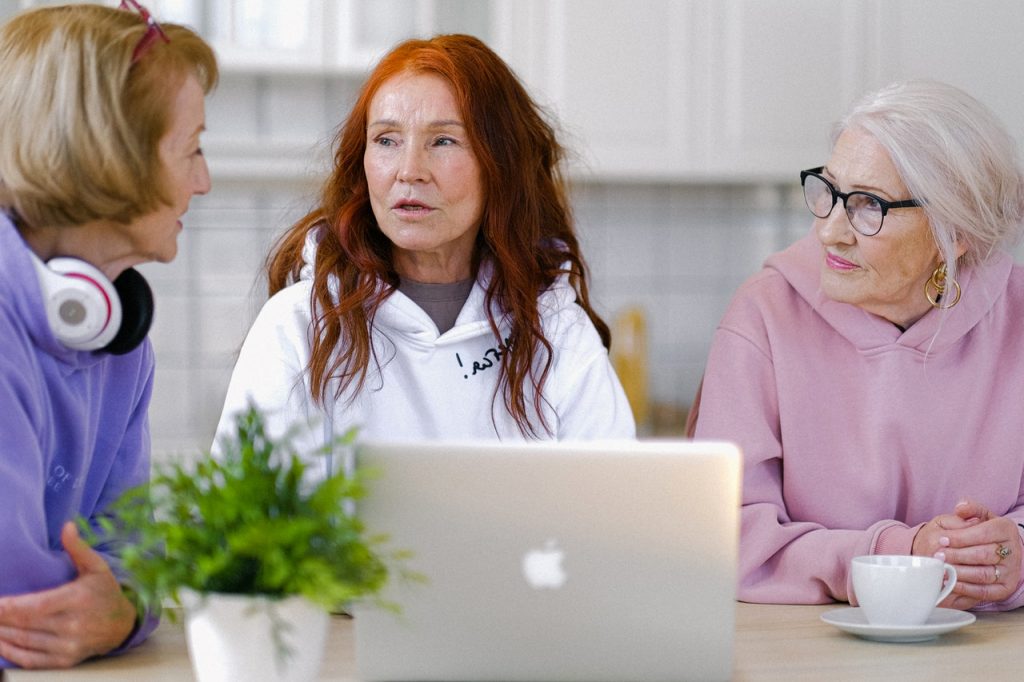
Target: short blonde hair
x,y
81,125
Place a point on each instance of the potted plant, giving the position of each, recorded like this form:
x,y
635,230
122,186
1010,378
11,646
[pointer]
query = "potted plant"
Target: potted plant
x,y
251,549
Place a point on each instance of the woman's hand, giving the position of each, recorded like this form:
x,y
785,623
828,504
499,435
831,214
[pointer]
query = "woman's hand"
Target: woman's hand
x,y
60,627
984,548
933,541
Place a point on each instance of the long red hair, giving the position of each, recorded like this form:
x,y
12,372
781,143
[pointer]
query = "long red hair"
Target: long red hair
x,y
526,230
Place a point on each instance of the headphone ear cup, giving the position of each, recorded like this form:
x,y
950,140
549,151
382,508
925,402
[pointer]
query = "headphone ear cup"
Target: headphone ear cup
x,y
82,306
136,312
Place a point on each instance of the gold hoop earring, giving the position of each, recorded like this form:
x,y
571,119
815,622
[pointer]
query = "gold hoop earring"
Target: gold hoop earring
x,y
938,282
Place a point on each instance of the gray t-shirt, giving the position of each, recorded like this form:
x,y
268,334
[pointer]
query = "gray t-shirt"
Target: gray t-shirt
x,y
442,302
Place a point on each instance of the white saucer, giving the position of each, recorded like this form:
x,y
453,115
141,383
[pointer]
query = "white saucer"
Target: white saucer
x,y
941,621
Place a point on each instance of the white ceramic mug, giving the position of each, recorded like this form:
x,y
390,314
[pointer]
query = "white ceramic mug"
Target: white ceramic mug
x,y
900,590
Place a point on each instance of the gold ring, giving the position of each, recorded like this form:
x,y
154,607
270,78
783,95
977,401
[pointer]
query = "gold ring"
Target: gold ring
x,y
996,579
1003,551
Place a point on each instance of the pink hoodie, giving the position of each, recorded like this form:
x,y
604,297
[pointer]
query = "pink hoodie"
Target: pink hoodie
x,y
855,434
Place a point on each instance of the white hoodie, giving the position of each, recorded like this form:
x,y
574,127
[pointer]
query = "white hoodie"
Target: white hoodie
x,y
429,385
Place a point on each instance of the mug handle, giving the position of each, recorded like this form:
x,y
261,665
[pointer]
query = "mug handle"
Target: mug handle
x,y
949,575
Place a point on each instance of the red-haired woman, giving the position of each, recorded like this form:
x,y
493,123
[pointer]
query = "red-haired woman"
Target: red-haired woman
x,y
438,290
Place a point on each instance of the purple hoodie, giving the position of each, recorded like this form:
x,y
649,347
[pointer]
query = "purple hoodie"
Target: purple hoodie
x,y
854,433
74,432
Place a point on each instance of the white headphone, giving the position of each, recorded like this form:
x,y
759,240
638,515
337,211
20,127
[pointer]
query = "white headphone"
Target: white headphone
x,y
82,305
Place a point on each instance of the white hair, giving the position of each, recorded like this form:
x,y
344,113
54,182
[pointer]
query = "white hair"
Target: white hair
x,y
954,156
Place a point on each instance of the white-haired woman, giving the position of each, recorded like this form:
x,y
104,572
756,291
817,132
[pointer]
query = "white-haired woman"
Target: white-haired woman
x,y
871,372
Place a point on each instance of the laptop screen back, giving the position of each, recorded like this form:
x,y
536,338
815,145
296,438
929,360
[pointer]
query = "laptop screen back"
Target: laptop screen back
x,y
554,561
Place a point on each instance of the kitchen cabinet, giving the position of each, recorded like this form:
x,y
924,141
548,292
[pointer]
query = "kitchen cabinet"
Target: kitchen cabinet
x,y
780,74
783,72
325,37
743,91
648,90
676,91
977,47
267,35
618,80
364,30
692,90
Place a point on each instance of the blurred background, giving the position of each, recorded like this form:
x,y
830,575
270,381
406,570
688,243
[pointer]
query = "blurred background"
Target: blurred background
x,y
689,121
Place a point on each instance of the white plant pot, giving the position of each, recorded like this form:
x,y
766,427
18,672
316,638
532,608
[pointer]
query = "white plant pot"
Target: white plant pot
x,y
235,637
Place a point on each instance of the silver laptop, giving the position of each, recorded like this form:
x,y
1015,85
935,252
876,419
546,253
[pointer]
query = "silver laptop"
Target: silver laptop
x,y
554,561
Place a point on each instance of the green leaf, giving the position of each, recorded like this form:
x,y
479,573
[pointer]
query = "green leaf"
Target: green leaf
x,y
247,522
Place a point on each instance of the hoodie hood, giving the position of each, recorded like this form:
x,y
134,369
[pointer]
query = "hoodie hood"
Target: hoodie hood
x,y
982,286
309,253
399,314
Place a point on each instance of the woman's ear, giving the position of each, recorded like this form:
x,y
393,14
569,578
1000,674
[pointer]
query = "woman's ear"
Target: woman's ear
x,y
959,246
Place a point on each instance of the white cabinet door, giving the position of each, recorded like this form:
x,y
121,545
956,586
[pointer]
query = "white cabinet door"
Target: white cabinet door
x,y
790,68
662,90
617,76
977,46
705,90
267,35
783,72
364,30
330,37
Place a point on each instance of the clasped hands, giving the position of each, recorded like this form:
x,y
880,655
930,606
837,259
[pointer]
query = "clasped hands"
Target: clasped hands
x,y
58,628
985,550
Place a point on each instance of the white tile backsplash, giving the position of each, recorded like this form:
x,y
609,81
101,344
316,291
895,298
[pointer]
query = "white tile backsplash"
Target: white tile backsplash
x,y
171,418
295,109
232,111
172,331
678,253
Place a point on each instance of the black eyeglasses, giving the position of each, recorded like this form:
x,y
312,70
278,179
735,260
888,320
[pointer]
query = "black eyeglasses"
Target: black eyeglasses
x,y
153,30
865,210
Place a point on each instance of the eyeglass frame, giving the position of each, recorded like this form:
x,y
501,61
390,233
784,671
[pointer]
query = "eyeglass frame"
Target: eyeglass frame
x,y
885,204
153,30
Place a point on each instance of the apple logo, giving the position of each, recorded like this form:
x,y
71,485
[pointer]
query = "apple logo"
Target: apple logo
x,y
543,567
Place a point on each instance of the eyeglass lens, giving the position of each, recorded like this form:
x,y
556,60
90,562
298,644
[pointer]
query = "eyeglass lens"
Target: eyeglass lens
x,y
863,210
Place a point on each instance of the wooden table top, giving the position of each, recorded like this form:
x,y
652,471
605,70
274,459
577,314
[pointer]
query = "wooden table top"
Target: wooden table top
x,y
773,642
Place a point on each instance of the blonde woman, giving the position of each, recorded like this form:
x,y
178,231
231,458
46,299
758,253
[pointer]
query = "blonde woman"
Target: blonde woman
x,y
102,110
